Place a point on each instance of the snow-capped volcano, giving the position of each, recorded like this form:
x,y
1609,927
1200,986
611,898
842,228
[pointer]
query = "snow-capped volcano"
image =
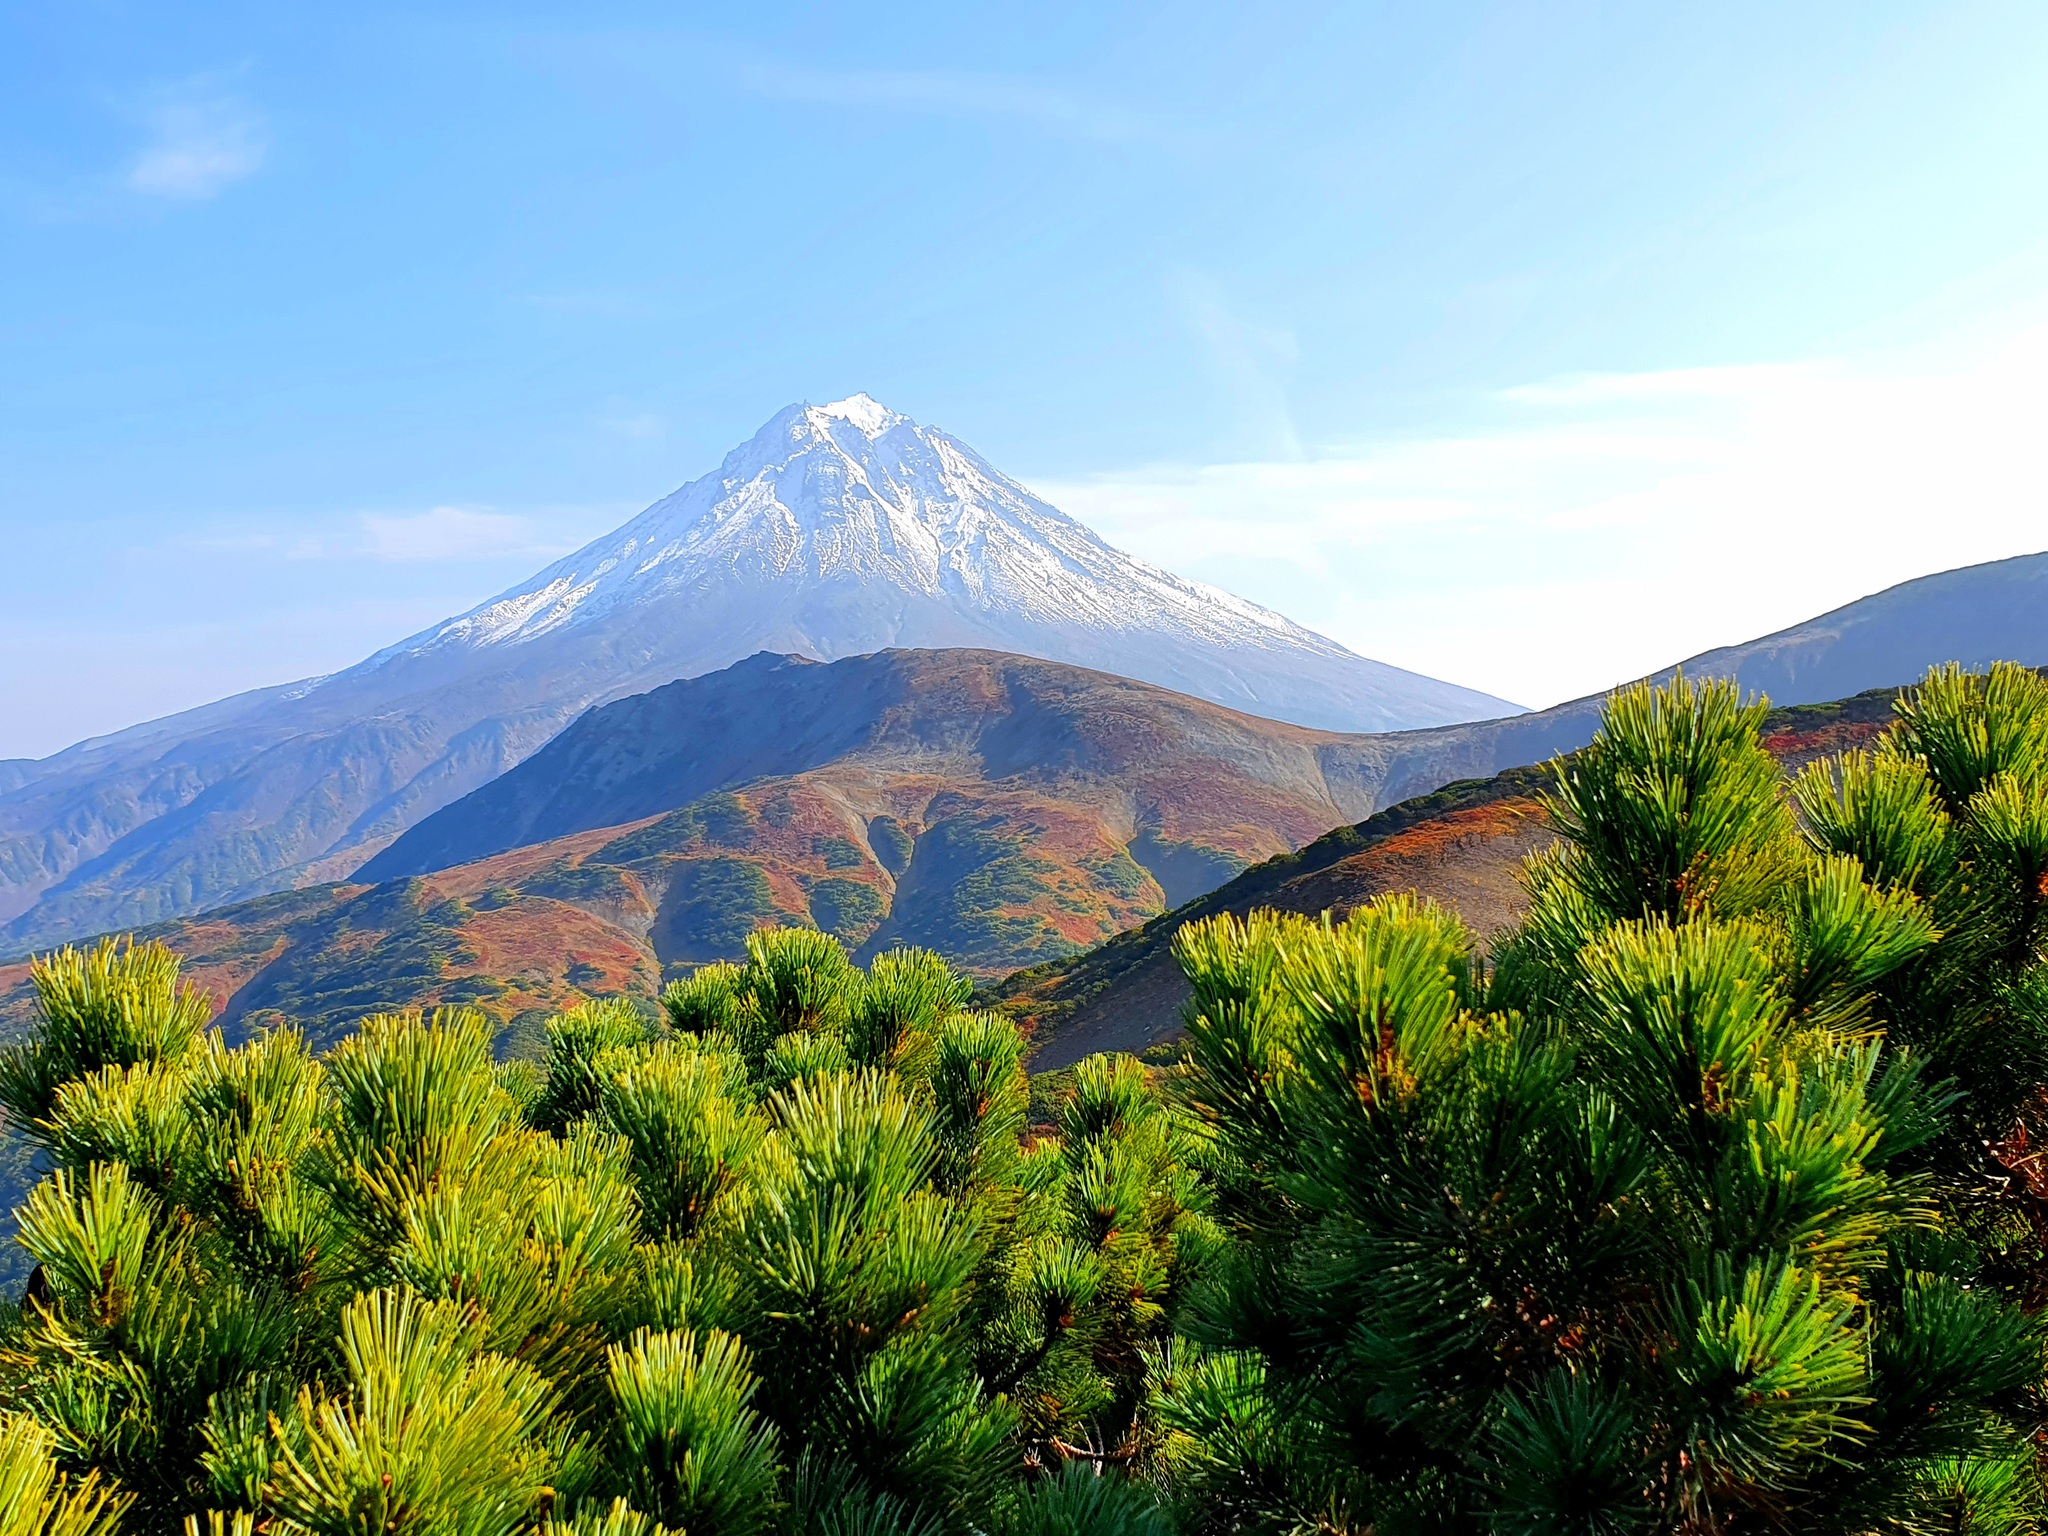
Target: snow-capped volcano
x,y
836,530
846,528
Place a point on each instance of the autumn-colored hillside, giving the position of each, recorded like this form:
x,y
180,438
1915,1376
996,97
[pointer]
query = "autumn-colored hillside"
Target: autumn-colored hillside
x,y
1462,845
1000,810
1078,873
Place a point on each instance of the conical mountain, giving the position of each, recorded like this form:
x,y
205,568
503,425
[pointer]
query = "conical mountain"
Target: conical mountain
x,y
836,530
844,529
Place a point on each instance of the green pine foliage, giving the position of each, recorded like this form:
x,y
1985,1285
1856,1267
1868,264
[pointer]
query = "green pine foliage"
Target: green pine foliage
x,y
38,1499
1705,1206
1711,1198
785,1263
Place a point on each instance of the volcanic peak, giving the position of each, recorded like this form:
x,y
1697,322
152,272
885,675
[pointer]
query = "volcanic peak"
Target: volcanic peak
x,y
864,411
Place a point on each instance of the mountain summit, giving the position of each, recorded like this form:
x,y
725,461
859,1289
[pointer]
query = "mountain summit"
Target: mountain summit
x,y
848,528
837,530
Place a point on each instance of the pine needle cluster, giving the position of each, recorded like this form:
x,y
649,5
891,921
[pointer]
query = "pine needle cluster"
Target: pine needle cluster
x,y
1711,1198
784,1261
1706,1202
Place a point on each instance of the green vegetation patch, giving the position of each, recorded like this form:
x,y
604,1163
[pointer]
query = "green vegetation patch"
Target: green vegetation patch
x,y
18,1174
838,852
848,908
581,882
971,875
1707,1199
1016,879
719,820
1121,874
381,951
711,907
892,843
474,989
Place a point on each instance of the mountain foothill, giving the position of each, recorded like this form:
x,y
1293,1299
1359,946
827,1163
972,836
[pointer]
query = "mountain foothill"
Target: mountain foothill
x,y
856,679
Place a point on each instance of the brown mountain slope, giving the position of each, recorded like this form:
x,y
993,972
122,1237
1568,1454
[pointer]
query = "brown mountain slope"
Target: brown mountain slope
x,y
1462,845
895,846
324,957
1001,810
1172,763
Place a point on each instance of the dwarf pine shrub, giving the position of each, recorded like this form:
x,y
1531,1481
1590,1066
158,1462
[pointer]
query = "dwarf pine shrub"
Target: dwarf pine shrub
x,y
1709,1198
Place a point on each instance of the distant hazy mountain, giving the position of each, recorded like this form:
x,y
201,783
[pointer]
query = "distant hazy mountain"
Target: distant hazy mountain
x,y
1975,615
837,530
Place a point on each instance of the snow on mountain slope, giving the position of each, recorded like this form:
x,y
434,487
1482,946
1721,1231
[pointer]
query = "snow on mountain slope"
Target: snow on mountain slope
x,y
847,528
837,530
854,492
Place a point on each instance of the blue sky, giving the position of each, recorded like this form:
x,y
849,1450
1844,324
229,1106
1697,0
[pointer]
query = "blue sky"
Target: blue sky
x,y
1528,345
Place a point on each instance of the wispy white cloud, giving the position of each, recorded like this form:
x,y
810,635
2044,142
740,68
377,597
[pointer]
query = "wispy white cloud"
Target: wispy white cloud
x,y
1607,525
202,138
951,93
